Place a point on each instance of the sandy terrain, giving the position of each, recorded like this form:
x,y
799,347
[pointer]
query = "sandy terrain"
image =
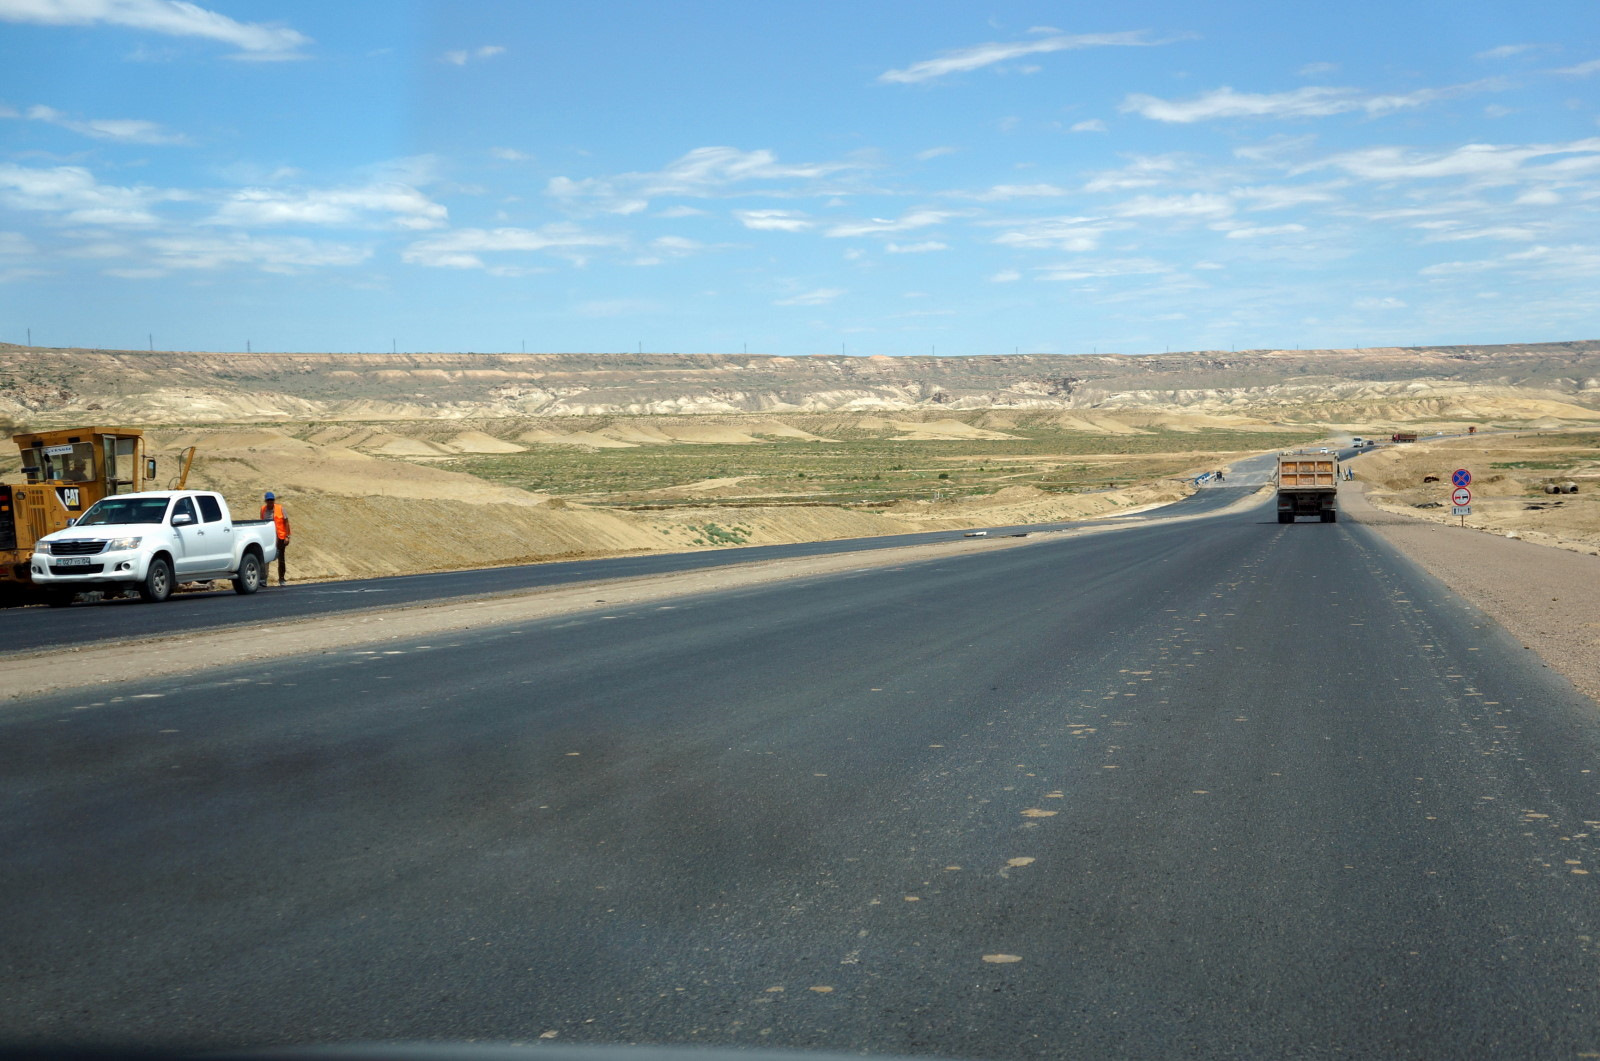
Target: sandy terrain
x,y
1507,494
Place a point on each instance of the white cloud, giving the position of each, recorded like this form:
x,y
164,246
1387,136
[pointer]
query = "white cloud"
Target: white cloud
x,y
1505,51
462,248
705,172
278,255
73,193
1379,303
508,154
1265,230
1003,192
1005,276
1580,70
463,56
934,152
1144,172
1278,197
119,130
394,205
1198,204
1490,163
881,226
981,55
15,244
1105,268
917,248
820,297
1313,101
672,212
1317,69
177,18
1091,125
1055,233
773,220
1453,234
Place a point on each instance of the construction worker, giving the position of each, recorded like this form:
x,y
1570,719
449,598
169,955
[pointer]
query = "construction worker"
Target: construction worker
x,y
272,510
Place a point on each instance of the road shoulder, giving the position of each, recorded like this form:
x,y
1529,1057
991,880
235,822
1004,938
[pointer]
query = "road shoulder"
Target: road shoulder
x,y
1548,598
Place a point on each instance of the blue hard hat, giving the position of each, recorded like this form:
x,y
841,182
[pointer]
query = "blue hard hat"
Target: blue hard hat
x,y
270,496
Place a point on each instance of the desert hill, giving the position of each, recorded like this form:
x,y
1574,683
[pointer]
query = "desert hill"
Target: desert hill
x,y
59,385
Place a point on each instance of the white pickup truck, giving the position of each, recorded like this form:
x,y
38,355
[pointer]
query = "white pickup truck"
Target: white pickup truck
x,y
151,542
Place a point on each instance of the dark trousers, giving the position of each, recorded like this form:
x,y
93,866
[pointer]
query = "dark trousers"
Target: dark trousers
x,y
283,547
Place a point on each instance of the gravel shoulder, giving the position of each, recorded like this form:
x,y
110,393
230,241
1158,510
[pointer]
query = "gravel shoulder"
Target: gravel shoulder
x,y
1548,598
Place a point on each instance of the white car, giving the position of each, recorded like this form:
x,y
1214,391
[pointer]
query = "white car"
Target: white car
x,y
151,542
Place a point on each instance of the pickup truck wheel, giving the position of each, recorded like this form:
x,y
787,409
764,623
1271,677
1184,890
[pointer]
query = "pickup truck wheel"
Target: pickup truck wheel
x,y
251,575
59,598
157,584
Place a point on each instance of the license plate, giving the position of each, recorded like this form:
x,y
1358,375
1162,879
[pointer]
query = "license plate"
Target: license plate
x,y
71,561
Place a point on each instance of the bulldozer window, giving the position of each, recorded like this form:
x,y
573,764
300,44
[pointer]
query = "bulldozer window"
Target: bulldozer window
x,y
68,464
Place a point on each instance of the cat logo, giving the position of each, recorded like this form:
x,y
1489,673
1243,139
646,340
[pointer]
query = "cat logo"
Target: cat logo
x,y
70,497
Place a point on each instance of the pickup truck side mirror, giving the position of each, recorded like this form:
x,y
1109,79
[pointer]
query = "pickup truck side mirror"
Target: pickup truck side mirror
x,y
182,519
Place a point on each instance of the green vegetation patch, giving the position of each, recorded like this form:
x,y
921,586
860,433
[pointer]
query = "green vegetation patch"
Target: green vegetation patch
x,y
855,467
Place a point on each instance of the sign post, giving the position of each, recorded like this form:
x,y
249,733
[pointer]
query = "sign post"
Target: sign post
x,y
1461,498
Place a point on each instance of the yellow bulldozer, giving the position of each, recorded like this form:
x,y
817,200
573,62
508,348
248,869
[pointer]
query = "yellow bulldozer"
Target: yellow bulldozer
x,y
66,471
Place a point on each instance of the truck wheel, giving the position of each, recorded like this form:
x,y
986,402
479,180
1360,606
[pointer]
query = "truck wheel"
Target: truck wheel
x,y
157,584
1330,517
1286,517
251,575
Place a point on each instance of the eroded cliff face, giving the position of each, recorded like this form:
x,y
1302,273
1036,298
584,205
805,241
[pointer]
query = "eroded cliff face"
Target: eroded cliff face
x,y
133,386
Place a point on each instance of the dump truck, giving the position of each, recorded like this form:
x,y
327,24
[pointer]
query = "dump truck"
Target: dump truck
x,y
1308,484
1403,436
65,472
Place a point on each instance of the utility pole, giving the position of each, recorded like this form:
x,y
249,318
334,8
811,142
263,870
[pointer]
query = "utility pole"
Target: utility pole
x,y
152,338
394,346
30,336
247,347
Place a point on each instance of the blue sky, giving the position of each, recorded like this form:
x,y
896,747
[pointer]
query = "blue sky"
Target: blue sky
x,y
794,178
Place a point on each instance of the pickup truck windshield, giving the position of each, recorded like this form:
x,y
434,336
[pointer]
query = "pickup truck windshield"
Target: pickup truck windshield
x,y
114,510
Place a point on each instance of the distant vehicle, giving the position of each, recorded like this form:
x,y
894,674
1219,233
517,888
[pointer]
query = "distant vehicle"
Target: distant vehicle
x,y
1308,484
1356,442
150,543
1403,436
976,534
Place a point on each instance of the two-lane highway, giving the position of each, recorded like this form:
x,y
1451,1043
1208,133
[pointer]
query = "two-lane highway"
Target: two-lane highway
x,y
1219,787
35,628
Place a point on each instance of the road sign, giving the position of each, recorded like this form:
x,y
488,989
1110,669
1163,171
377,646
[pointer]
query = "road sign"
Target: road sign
x,y
1461,510
1461,497
1460,477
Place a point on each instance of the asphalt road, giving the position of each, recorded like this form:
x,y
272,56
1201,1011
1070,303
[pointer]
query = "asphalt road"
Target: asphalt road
x,y
1219,788
31,629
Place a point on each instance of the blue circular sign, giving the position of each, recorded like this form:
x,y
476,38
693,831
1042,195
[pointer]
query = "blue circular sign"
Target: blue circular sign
x,y
1460,477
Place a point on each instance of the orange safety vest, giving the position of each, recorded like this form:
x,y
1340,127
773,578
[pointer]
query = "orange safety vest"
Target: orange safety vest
x,y
275,512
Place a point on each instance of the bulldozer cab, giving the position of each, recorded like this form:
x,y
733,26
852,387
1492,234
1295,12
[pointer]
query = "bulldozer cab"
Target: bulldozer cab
x,y
66,471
